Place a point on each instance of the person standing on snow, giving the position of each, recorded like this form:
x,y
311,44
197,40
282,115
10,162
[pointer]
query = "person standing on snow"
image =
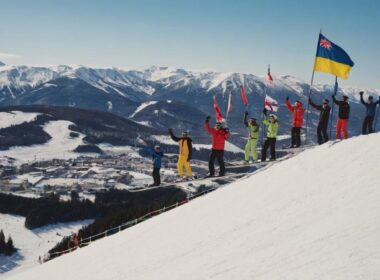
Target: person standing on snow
x,y
343,116
323,120
219,137
297,111
272,131
157,155
185,150
253,137
370,113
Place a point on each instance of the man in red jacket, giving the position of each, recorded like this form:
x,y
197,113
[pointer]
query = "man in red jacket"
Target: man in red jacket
x,y
219,136
297,111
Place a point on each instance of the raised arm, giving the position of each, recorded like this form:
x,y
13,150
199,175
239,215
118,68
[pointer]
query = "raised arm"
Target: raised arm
x,y
246,118
207,125
318,107
362,99
174,138
335,101
288,105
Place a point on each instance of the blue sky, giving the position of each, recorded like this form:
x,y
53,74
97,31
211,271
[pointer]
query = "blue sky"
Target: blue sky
x,y
241,36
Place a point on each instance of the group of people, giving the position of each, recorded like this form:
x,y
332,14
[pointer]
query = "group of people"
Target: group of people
x,y
220,133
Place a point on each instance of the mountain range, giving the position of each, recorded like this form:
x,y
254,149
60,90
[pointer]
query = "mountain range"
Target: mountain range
x,y
173,97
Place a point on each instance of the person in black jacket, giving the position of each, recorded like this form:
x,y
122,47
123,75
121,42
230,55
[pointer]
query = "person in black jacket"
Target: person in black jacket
x,y
370,113
343,116
185,152
323,120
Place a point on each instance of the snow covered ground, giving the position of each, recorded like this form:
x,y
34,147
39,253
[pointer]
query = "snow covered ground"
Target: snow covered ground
x,y
15,117
60,146
31,243
314,216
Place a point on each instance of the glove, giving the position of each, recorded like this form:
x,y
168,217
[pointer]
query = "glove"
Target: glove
x,y
287,98
227,130
309,100
170,131
208,119
361,93
265,111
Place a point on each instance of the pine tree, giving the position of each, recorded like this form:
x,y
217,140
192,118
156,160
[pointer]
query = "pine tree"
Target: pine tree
x,y
9,248
2,242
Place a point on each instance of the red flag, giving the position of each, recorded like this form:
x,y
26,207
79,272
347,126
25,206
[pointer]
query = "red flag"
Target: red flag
x,y
270,104
229,108
270,79
218,113
243,96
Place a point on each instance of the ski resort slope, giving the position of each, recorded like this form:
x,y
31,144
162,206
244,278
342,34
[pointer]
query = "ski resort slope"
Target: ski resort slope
x,y
314,216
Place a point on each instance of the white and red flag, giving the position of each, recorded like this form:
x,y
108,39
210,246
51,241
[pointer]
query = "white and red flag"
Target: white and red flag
x,y
270,104
269,76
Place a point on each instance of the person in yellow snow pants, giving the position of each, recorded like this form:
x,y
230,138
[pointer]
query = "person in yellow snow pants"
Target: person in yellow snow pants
x,y
185,149
253,137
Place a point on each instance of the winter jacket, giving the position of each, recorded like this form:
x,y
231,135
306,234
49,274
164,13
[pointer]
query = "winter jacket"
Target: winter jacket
x,y
344,108
218,136
156,157
253,129
370,107
272,128
325,112
185,145
297,112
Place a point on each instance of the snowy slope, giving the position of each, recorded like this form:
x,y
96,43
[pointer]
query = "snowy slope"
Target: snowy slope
x,y
15,117
315,216
60,146
31,243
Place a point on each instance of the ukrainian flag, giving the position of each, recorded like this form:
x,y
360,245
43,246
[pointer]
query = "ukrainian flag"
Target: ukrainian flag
x,y
332,59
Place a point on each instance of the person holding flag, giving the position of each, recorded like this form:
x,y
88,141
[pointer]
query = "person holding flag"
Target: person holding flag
x,y
323,120
370,113
297,112
253,138
219,136
343,116
332,59
272,131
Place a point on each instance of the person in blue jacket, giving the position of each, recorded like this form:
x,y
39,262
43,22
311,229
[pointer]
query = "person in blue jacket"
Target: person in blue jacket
x,y
157,155
370,113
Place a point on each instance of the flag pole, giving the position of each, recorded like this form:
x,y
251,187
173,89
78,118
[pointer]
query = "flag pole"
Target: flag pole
x,y
310,90
376,117
333,103
262,114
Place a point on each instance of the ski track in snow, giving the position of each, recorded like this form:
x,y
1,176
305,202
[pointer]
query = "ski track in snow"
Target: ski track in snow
x,y
31,243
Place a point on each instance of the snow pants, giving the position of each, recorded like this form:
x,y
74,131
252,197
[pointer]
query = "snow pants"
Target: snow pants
x,y
341,125
156,176
367,125
183,163
218,154
269,142
250,149
296,137
322,133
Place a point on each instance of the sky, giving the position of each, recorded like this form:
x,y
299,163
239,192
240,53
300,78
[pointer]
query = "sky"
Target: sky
x,y
228,36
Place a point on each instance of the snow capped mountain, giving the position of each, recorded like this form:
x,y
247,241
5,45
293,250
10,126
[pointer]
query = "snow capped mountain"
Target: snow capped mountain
x,y
309,217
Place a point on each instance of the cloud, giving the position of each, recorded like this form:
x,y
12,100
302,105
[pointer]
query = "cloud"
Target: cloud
x,y
9,56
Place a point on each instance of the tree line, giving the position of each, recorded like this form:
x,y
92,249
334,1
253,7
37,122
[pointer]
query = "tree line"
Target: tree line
x,y
6,246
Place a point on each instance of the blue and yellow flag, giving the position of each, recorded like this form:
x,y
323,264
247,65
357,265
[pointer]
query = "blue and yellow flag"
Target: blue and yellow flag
x,y
332,59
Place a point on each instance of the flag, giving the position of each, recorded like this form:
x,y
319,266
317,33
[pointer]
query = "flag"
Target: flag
x,y
270,78
229,108
243,96
218,113
270,104
332,59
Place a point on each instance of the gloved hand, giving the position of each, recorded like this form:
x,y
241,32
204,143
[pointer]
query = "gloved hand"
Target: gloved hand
x,y
207,119
265,111
287,98
309,100
361,93
227,130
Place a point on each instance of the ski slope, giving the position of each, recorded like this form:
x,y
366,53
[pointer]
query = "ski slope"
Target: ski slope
x,y
314,216
8,119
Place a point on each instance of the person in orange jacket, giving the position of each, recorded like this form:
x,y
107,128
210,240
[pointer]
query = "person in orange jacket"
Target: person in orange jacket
x,y
297,112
